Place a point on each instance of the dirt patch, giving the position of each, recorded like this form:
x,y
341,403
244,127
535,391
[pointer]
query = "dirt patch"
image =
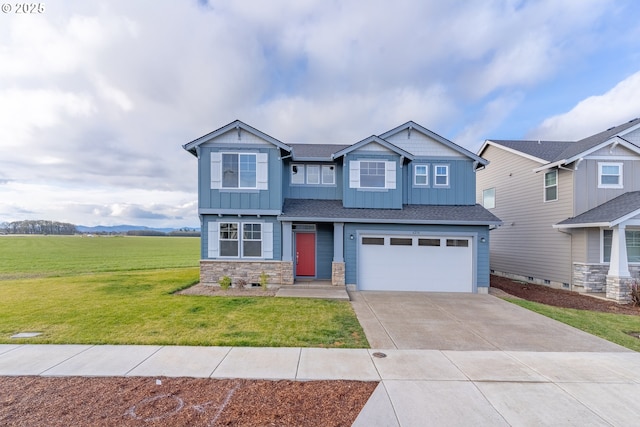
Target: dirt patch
x,y
560,297
30,401
200,289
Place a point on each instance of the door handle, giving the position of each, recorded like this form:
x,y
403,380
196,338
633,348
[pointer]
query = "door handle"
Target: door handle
x,y
297,257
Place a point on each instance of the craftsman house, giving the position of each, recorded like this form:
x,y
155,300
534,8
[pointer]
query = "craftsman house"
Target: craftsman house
x,y
571,210
395,211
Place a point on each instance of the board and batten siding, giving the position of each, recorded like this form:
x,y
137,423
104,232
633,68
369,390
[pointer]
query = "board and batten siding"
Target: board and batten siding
x,y
268,199
527,244
461,189
382,198
316,191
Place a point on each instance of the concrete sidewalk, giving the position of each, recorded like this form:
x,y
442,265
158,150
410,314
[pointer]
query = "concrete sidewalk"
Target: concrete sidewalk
x,y
416,386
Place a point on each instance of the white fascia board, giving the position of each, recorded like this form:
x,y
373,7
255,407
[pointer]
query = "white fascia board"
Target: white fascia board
x,y
386,221
550,165
625,217
262,212
584,225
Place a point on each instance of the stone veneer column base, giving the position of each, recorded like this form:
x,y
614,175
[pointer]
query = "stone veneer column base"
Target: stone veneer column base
x,y
618,288
592,276
337,273
279,272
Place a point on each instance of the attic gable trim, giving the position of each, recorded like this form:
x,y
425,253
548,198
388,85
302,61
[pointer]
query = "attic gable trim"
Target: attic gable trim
x,y
236,124
369,140
510,150
613,140
413,125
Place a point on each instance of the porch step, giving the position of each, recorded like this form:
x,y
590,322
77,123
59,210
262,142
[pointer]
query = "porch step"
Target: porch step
x,y
313,290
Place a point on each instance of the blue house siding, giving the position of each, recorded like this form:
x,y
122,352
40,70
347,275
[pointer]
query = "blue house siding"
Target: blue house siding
x,y
277,232
306,191
382,198
461,189
269,199
324,251
482,251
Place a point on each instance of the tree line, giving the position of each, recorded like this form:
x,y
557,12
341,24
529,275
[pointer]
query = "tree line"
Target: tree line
x,y
37,227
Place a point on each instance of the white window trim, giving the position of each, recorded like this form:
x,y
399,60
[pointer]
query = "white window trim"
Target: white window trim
x,y
436,175
426,175
213,250
242,239
389,174
318,169
544,186
220,240
332,168
620,174
602,260
262,171
301,172
494,198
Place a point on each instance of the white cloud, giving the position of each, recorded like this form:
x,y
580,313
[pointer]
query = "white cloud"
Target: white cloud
x,y
595,113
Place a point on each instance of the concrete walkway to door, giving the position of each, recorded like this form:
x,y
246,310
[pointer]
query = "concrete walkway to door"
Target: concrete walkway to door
x,y
468,322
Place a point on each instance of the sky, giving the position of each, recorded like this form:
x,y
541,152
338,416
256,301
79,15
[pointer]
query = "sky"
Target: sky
x,y
98,97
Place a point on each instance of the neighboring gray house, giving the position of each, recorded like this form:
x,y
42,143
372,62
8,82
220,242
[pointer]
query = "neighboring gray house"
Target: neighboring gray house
x,y
570,210
395,211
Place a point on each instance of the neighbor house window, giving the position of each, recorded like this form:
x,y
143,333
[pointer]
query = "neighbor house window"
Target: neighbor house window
x,y
238,170
441,175
313,174
329,174
551,186
297,174
421,175
251,240
372,174
633,245
489,198
229,239
609,175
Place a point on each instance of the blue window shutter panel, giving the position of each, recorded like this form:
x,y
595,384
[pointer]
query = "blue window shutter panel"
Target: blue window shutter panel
x,y
390,175
216,170
212,250
354,174
267,241
262,168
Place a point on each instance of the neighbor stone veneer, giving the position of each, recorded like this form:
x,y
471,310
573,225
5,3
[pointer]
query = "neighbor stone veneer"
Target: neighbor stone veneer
x,y
279,272
337,274
618,288
593,277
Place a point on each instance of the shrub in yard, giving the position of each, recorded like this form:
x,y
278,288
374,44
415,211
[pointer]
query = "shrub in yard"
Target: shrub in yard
x,y
634,293
264,279
241,283
225,282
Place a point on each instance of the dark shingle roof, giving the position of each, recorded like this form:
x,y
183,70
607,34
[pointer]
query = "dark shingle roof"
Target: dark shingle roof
x,y
315,151
332,210
607,212
592,141
544,150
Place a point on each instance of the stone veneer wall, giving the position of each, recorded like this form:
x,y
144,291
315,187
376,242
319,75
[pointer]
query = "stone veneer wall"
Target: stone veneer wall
x,y
593,277
280,272
337,274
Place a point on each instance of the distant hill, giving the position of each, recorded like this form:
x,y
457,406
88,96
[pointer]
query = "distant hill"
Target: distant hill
x,y
123,229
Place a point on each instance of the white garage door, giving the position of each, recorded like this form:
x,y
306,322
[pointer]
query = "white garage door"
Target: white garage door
x,y
415,263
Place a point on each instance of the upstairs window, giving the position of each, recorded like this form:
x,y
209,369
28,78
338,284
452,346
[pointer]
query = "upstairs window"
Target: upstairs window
x,y
421,175
313,174
240,171
551,186
441,176
489,198
372,174
328,174
609,175
297,174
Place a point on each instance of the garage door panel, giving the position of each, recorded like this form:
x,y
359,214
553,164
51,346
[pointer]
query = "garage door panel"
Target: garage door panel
x,y
423,266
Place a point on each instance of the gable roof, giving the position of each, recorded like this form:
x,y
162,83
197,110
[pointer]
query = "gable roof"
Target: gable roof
x,y
373,139
333,210
410,125
556,153
608,214
238,125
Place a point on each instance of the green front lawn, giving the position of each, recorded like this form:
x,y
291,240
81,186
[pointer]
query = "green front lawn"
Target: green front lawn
x,y
611,327
63,291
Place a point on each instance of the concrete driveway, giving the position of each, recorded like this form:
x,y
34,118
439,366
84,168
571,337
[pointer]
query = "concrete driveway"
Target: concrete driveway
x,y
468,322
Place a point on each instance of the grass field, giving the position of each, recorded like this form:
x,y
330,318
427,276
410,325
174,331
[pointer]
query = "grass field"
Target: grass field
x,y
119,290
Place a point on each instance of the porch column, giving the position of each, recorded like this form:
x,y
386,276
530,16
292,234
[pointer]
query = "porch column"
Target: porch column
x,y
337,266
619,278
619,265
287,246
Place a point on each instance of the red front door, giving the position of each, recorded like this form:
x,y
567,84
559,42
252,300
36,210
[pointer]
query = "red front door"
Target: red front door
x,y
305,254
